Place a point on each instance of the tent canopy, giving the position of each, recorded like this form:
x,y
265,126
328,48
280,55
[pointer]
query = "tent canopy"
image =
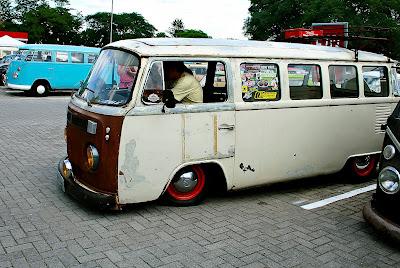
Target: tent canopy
x,y
7,41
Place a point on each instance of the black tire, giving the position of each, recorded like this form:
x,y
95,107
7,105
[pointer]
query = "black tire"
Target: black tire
x,y
40,89
192,194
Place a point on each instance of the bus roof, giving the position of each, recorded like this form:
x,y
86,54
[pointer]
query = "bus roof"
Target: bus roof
x,y
60,48
241,48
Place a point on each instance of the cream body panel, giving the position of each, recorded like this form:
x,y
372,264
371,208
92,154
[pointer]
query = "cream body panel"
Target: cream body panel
x,y
154,147
150,149
283,144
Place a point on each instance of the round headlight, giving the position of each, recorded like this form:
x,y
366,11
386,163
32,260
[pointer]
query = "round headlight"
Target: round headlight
x,y
389,152
389,180
92,157
66,168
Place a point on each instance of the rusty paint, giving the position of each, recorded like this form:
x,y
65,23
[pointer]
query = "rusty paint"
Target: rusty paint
x,y
183,138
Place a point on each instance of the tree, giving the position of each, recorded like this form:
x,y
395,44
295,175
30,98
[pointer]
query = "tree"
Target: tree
x,y
269,17
190,33
125,26
6,11
161,35
51,25
24,6
176,27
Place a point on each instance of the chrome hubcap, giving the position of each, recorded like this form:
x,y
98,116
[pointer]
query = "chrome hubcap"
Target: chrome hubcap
x,y
186,182
40,89
362,162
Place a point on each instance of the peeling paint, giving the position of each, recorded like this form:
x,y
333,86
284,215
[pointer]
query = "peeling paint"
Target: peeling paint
x,y
129,169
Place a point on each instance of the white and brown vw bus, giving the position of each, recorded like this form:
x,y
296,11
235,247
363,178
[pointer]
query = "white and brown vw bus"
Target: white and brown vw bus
x,y
270,112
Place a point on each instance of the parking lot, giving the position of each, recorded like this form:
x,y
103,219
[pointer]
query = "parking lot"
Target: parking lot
x,y
264,227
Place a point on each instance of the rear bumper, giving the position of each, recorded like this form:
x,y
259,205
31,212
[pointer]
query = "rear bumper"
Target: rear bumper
x,y
380,223
83,194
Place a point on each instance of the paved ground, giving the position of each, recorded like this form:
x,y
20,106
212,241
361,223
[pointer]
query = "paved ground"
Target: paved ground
x,y
265,227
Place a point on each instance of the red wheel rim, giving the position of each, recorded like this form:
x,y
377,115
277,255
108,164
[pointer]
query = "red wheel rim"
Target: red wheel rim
x,y
363,172
201,179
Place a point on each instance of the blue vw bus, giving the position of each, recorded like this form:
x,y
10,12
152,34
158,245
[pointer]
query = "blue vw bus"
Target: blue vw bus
x,y
46,68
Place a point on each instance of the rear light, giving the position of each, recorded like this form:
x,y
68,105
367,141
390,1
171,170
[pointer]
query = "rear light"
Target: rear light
x,y
15,75
19,69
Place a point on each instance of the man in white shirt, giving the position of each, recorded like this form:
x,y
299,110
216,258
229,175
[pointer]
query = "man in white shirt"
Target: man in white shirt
x,y
183,84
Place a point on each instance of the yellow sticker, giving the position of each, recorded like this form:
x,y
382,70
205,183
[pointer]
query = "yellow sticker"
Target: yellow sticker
x,y
245,89
265,95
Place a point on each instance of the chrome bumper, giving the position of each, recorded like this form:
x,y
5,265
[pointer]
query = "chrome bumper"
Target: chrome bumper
x,y
82,193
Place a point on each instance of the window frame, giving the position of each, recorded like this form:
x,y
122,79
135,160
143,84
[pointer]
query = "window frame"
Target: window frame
x,y
357,81
224,61
320,77
77,62
56,58
387,80
147,79
279,81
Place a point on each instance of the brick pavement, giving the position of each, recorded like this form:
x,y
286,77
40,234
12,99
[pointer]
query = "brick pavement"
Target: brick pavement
x,y
42,227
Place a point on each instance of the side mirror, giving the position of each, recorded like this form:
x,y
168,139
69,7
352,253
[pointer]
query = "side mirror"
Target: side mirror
x,y
168,99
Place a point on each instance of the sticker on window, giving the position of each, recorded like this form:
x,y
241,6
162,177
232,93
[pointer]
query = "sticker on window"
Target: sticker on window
x,y
260,82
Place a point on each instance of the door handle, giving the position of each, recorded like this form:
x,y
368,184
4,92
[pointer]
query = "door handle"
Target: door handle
x,y
226,127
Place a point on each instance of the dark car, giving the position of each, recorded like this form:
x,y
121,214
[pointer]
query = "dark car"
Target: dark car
x,y
383,212
3,71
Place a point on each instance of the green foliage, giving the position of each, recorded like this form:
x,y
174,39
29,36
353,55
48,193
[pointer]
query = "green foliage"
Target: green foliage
x,y
51,25
161,35
190,33
177,29
125,26
6,11
176,26
269,17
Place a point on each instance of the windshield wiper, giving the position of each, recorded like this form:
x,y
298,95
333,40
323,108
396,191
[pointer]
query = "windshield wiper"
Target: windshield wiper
x,y
87,97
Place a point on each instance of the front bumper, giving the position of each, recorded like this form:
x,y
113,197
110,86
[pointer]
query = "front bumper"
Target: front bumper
x,y
381,223
82,193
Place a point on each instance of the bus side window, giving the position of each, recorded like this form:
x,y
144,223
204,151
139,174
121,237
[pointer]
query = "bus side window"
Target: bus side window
x,y
375,81
61,56
260,82
396,81
41,56
92,58
343,81
77,57
305,81
152,93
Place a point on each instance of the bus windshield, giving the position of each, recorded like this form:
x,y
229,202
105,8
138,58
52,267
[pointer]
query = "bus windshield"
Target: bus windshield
x,y
111,79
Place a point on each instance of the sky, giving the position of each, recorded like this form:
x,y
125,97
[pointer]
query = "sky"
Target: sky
x,y
217,18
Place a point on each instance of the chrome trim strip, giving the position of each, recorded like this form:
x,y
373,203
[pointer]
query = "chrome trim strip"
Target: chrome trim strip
x,y
182,109
19,87
393,138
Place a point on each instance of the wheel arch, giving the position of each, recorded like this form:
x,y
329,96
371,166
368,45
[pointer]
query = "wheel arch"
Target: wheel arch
x,y
209,166
41,80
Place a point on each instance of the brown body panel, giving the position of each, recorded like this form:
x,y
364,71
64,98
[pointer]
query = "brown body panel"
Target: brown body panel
x,y
104,178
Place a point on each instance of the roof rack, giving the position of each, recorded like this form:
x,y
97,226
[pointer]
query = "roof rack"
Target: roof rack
x,y
341,35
